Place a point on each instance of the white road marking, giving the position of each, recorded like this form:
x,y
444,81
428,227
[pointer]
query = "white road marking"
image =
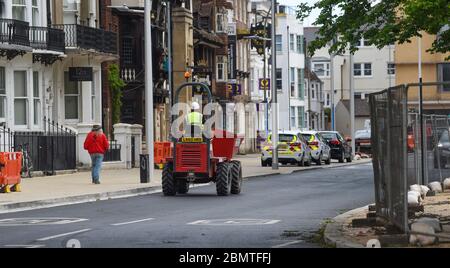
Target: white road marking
x,y
288,244
132,222
38,221
62,235
235,222
24,246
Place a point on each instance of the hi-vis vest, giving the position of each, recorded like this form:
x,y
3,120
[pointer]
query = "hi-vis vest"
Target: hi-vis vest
x,y
195,118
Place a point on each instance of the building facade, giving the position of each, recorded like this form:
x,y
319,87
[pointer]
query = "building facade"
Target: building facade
x,y
434,69
51,62
290,82
374,70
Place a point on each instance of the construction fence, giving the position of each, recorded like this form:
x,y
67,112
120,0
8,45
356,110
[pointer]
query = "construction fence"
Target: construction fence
x,y
401,157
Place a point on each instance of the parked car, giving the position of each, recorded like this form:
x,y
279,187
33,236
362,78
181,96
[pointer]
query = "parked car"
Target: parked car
x,y
363,141
320,150
340,148
443,149
292,149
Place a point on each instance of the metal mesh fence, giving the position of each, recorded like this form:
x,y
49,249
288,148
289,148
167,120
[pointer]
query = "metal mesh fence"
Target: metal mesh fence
x,y
401,156
389,133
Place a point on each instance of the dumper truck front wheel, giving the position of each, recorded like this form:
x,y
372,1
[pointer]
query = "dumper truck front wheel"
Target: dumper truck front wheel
x,y
236,181
223,179
168,181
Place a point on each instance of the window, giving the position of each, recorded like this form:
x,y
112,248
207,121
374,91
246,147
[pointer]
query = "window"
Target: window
x,y
301,117
279,79
444,75
292,82
279,43
322,69
293,114
35,13
93,110
221,23
328,99
363,43
70,10
71,98
2,93
313,91
19,10
36,99
221,69
20,98
300,84
362,69
292,42
299,44
391,68
127,51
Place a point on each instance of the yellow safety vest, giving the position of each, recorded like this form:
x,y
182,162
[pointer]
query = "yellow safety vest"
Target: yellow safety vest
x,y
195,118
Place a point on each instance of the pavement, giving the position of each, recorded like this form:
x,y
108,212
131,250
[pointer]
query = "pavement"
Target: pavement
x,y
273,211
42,192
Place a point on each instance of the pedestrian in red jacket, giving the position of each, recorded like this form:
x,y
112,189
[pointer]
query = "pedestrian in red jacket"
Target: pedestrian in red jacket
x,y
96,144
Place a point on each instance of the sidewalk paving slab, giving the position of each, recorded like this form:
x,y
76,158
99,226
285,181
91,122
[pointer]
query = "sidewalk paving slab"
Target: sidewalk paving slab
x,y
65,189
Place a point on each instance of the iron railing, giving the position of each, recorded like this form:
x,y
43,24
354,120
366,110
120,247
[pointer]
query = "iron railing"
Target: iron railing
x,y
85,37
15,32
47,38
52,149
113,153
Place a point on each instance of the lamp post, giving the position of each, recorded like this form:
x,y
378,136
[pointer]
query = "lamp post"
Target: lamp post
x,y
149,85
275,165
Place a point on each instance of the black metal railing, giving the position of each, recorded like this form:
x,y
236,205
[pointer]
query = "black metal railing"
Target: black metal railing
x,y
113,153
50,150
14,32
47,38
84,37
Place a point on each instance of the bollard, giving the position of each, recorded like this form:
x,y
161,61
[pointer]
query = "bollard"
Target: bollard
x,y
145,169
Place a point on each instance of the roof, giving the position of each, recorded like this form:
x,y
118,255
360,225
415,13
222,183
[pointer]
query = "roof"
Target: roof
x,y
309,132
311,76
310,33
362,108
286,132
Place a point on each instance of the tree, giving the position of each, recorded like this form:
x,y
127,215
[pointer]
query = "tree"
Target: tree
x,y
116,84
381,22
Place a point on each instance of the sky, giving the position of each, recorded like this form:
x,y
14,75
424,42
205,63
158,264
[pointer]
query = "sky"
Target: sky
x,y
308,21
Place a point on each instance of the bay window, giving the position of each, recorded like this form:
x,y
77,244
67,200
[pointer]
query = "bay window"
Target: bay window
x,y
19,10
71,98
36,98
20,98
2,95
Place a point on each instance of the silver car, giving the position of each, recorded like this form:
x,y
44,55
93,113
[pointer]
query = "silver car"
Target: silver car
x,y
320,150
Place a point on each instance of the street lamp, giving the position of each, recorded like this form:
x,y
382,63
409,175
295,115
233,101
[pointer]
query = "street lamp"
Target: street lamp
x,y
275,165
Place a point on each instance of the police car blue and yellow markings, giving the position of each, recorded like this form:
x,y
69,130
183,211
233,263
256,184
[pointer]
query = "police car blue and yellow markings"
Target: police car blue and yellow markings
x,y
285,148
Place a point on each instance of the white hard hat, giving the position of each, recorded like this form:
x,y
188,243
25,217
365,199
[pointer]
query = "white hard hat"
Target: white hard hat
x,y
195,106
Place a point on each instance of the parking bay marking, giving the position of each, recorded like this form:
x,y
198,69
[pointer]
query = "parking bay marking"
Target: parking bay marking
x,y
38,221
132,222
62,235
235,222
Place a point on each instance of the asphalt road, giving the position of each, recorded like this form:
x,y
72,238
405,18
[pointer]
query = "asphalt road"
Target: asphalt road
x,y
274,211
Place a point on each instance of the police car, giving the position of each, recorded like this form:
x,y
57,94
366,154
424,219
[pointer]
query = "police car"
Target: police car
x,y
292,149
320,150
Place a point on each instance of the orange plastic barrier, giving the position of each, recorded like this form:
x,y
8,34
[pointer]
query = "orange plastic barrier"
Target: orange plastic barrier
x,y
10,171
162,151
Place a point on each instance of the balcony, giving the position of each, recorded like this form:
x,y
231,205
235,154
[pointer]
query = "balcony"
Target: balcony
x,y
14,32
44,38
88,38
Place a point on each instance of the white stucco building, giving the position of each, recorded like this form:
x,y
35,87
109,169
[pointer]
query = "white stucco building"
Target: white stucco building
x,y
289,46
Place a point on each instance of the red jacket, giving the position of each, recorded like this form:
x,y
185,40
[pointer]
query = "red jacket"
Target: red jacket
x,y
96,144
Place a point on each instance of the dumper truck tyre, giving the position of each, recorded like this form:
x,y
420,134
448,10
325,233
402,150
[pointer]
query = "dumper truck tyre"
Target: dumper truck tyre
x,y
223,179
182,186
236,174
168,181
